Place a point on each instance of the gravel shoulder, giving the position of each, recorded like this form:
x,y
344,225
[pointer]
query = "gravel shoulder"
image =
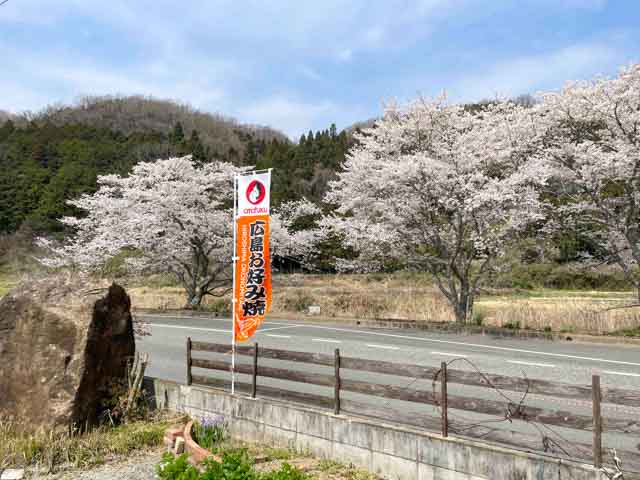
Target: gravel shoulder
x,y
141,466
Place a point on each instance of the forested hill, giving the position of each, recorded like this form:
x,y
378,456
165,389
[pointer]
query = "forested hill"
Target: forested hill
x,y
135,114
55,155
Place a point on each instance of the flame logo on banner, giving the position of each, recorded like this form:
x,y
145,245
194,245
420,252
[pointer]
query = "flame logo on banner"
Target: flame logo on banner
x,y
256,192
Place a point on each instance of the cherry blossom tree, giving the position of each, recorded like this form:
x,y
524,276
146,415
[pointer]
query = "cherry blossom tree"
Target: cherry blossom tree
x,y
295,231
435,187
172,216
591,141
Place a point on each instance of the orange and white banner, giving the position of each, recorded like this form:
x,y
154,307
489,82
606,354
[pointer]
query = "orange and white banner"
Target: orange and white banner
x,y
252,288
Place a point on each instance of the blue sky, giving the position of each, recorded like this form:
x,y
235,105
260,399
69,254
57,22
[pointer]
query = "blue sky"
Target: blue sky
x,y
296,65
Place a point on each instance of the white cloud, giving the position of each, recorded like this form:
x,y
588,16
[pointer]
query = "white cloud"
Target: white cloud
x,y
374,36
345,55
292,116
531,73
34,78
216,55
309,72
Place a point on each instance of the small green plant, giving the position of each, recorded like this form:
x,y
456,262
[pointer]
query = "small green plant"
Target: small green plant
x,y
349,472
297,302
235,465
286,472
512,325
177,468
329,466
274,453
478,318
220,306
630,332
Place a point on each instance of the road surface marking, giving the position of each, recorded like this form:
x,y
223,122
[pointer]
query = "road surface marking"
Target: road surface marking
x,y
449,354
276,328
327,340
386,347
277,336
432,340
208,319
476,345
518,362
622,373
189,328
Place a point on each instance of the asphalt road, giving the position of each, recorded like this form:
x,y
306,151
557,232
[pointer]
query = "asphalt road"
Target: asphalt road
x,y
569,362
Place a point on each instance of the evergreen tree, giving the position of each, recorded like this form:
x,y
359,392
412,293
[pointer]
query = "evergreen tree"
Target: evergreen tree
x,y
6,130
177,135
197,149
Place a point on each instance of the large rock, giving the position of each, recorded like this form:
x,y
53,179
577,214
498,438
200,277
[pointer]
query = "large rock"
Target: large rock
x,y
64,345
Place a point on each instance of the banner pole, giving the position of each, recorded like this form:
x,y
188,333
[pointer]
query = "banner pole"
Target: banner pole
x,y
234,300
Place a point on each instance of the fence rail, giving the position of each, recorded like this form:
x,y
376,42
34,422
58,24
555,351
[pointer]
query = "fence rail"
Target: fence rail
x,y
443,376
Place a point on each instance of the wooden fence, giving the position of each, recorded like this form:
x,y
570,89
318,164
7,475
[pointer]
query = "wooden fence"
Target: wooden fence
x,y
443,376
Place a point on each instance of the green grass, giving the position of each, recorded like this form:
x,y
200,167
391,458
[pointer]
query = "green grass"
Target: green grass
x,y
7,282
52,449
348,472
631,332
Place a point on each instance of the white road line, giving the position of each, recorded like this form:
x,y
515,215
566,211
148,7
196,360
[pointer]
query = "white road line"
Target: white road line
x,y
449,354
386,347
433,340
327,340
518,362
622,373
276,328
207,319
277,336
476,345
183,327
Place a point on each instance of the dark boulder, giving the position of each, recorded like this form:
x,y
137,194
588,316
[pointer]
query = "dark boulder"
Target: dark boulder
x,y
64,347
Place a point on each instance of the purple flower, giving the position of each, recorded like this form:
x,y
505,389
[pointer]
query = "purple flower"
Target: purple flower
x,y
208,421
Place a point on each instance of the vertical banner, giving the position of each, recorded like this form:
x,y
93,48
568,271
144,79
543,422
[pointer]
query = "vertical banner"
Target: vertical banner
x,y
252,287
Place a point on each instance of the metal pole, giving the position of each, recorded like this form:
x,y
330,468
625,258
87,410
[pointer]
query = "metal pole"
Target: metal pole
x,y
597,421
254,382
443,400
234,300
336,390
189,378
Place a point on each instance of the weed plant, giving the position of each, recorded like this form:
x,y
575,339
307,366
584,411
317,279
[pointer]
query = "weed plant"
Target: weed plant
x,y
235,465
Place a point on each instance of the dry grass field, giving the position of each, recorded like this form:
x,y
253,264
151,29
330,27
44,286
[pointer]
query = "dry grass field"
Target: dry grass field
x,y
410,297
413,297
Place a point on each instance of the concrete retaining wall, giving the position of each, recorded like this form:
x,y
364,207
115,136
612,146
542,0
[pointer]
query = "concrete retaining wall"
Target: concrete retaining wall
x,y
388,450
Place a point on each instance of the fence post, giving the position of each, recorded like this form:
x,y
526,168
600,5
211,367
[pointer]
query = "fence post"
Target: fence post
x,y
443,399
336,391
254,381
597,421
189,379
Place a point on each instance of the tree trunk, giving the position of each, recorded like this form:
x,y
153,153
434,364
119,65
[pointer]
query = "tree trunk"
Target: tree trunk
x,y
463,306
195,302
194,298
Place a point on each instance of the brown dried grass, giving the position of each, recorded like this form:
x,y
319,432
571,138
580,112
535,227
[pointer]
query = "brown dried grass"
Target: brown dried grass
x,y
413,297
